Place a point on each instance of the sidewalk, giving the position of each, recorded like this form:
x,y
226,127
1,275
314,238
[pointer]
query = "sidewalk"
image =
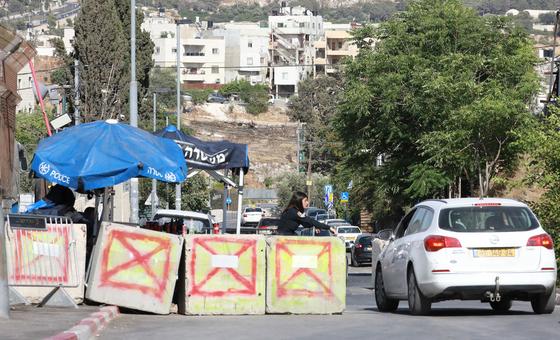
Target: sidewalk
x,y
31,322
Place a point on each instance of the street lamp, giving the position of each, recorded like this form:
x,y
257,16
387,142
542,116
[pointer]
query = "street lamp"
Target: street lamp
x,y
178,23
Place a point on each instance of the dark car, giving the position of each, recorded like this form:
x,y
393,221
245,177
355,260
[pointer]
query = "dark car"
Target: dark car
x,y
216,98
361,251
313,212
268,226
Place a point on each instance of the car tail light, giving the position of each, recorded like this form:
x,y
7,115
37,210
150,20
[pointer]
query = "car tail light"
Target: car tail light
x,y
437,242
263,227
358,245
542,240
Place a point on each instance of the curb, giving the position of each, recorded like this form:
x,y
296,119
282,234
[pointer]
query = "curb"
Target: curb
x,y
558,299
90,326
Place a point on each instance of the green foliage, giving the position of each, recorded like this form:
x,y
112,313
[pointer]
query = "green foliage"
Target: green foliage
x,y
199,96
288,183
543,144
256,96
103,49
195,194
315,106
442,96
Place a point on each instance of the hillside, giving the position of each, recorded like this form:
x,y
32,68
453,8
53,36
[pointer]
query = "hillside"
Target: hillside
x,y
270,137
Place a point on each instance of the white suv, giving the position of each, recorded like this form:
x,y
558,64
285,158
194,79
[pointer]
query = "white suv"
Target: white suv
x,y
493,250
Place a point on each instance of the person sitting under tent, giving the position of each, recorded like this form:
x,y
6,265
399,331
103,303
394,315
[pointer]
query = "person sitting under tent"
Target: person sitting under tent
x,y
59,201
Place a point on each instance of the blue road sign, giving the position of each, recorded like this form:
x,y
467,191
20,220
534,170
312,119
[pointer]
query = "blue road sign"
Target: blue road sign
x,y
344,197
228,200
328,189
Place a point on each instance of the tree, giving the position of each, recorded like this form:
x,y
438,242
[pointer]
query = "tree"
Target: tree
x,y
102,46
542,143
315,106
438,101
256,96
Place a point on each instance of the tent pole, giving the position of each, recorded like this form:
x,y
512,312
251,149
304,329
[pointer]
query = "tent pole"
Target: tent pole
x,y
239,200
225,207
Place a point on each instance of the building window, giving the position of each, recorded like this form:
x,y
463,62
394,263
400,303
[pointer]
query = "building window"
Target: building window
x,y
340,44
284,75
250,61
173,50
280,24
250,44
302,24
157,49
312,25
217,80
215,69
547,53
214,51
262,60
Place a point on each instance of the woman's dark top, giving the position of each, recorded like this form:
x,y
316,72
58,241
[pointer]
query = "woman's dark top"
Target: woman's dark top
x,y
290,221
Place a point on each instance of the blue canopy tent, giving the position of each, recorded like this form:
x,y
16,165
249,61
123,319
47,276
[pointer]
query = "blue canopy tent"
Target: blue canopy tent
x,y
213,156
100,154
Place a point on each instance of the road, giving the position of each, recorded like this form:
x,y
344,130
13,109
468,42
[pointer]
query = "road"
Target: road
x,y
449,320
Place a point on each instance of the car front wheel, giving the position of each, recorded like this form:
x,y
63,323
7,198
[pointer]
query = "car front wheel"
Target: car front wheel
x,y
544,303
418,304
384,303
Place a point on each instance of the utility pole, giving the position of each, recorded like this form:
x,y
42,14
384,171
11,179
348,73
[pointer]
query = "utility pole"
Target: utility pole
x,y
4,290
133,106
178,24
76,92
154,182
309,183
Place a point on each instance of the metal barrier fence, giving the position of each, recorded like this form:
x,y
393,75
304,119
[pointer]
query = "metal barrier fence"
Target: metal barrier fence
x,y
41,252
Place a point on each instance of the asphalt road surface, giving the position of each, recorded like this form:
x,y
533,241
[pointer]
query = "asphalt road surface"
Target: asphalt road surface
x,y
449,320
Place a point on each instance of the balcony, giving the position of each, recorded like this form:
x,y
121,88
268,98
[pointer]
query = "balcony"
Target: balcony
x,y
320,61
194,75
320,44
341,52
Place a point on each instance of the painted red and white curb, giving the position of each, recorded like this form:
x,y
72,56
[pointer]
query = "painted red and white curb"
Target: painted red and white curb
x,y
90,326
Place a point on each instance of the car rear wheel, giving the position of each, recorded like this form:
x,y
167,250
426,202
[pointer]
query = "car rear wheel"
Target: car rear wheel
x,y
544,303
353,263
418,304
384,303
503,305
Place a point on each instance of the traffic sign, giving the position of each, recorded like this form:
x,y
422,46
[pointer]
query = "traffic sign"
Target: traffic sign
x,y
328,189
344,196
228,200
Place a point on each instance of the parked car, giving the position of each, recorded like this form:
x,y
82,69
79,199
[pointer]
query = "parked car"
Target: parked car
x,y
361,251
348,233
190,222
314,211
335,222
492,250
216,98
251,216
268,226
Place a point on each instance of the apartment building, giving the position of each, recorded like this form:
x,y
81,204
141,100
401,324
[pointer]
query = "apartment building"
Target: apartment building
x,y
293,31
202,54
246,55
333,47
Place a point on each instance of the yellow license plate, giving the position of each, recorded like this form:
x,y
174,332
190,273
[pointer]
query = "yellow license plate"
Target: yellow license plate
x,y
495,252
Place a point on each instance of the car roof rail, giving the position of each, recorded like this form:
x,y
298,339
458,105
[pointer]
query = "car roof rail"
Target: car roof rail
x,y
436,199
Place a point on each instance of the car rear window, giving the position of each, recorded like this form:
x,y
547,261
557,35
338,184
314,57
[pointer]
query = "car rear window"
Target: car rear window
x,y
487,219
253,210
345,230
365,240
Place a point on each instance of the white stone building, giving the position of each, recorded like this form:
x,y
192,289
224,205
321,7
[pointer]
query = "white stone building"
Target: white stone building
x,y
293,33
246,55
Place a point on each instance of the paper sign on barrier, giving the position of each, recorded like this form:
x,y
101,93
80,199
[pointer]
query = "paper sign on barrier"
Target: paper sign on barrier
x,y
225,274
135,268
306,275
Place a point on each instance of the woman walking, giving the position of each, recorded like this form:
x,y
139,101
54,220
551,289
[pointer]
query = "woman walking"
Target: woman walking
x,y
293,216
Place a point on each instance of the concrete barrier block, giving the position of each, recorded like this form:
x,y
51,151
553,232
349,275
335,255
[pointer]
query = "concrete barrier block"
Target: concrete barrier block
x,y
305,275
66,266
134,268
225,274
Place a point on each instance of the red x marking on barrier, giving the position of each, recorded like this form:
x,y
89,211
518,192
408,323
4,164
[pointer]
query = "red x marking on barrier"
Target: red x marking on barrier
x,y
127,240
27,267
249,285
283,290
